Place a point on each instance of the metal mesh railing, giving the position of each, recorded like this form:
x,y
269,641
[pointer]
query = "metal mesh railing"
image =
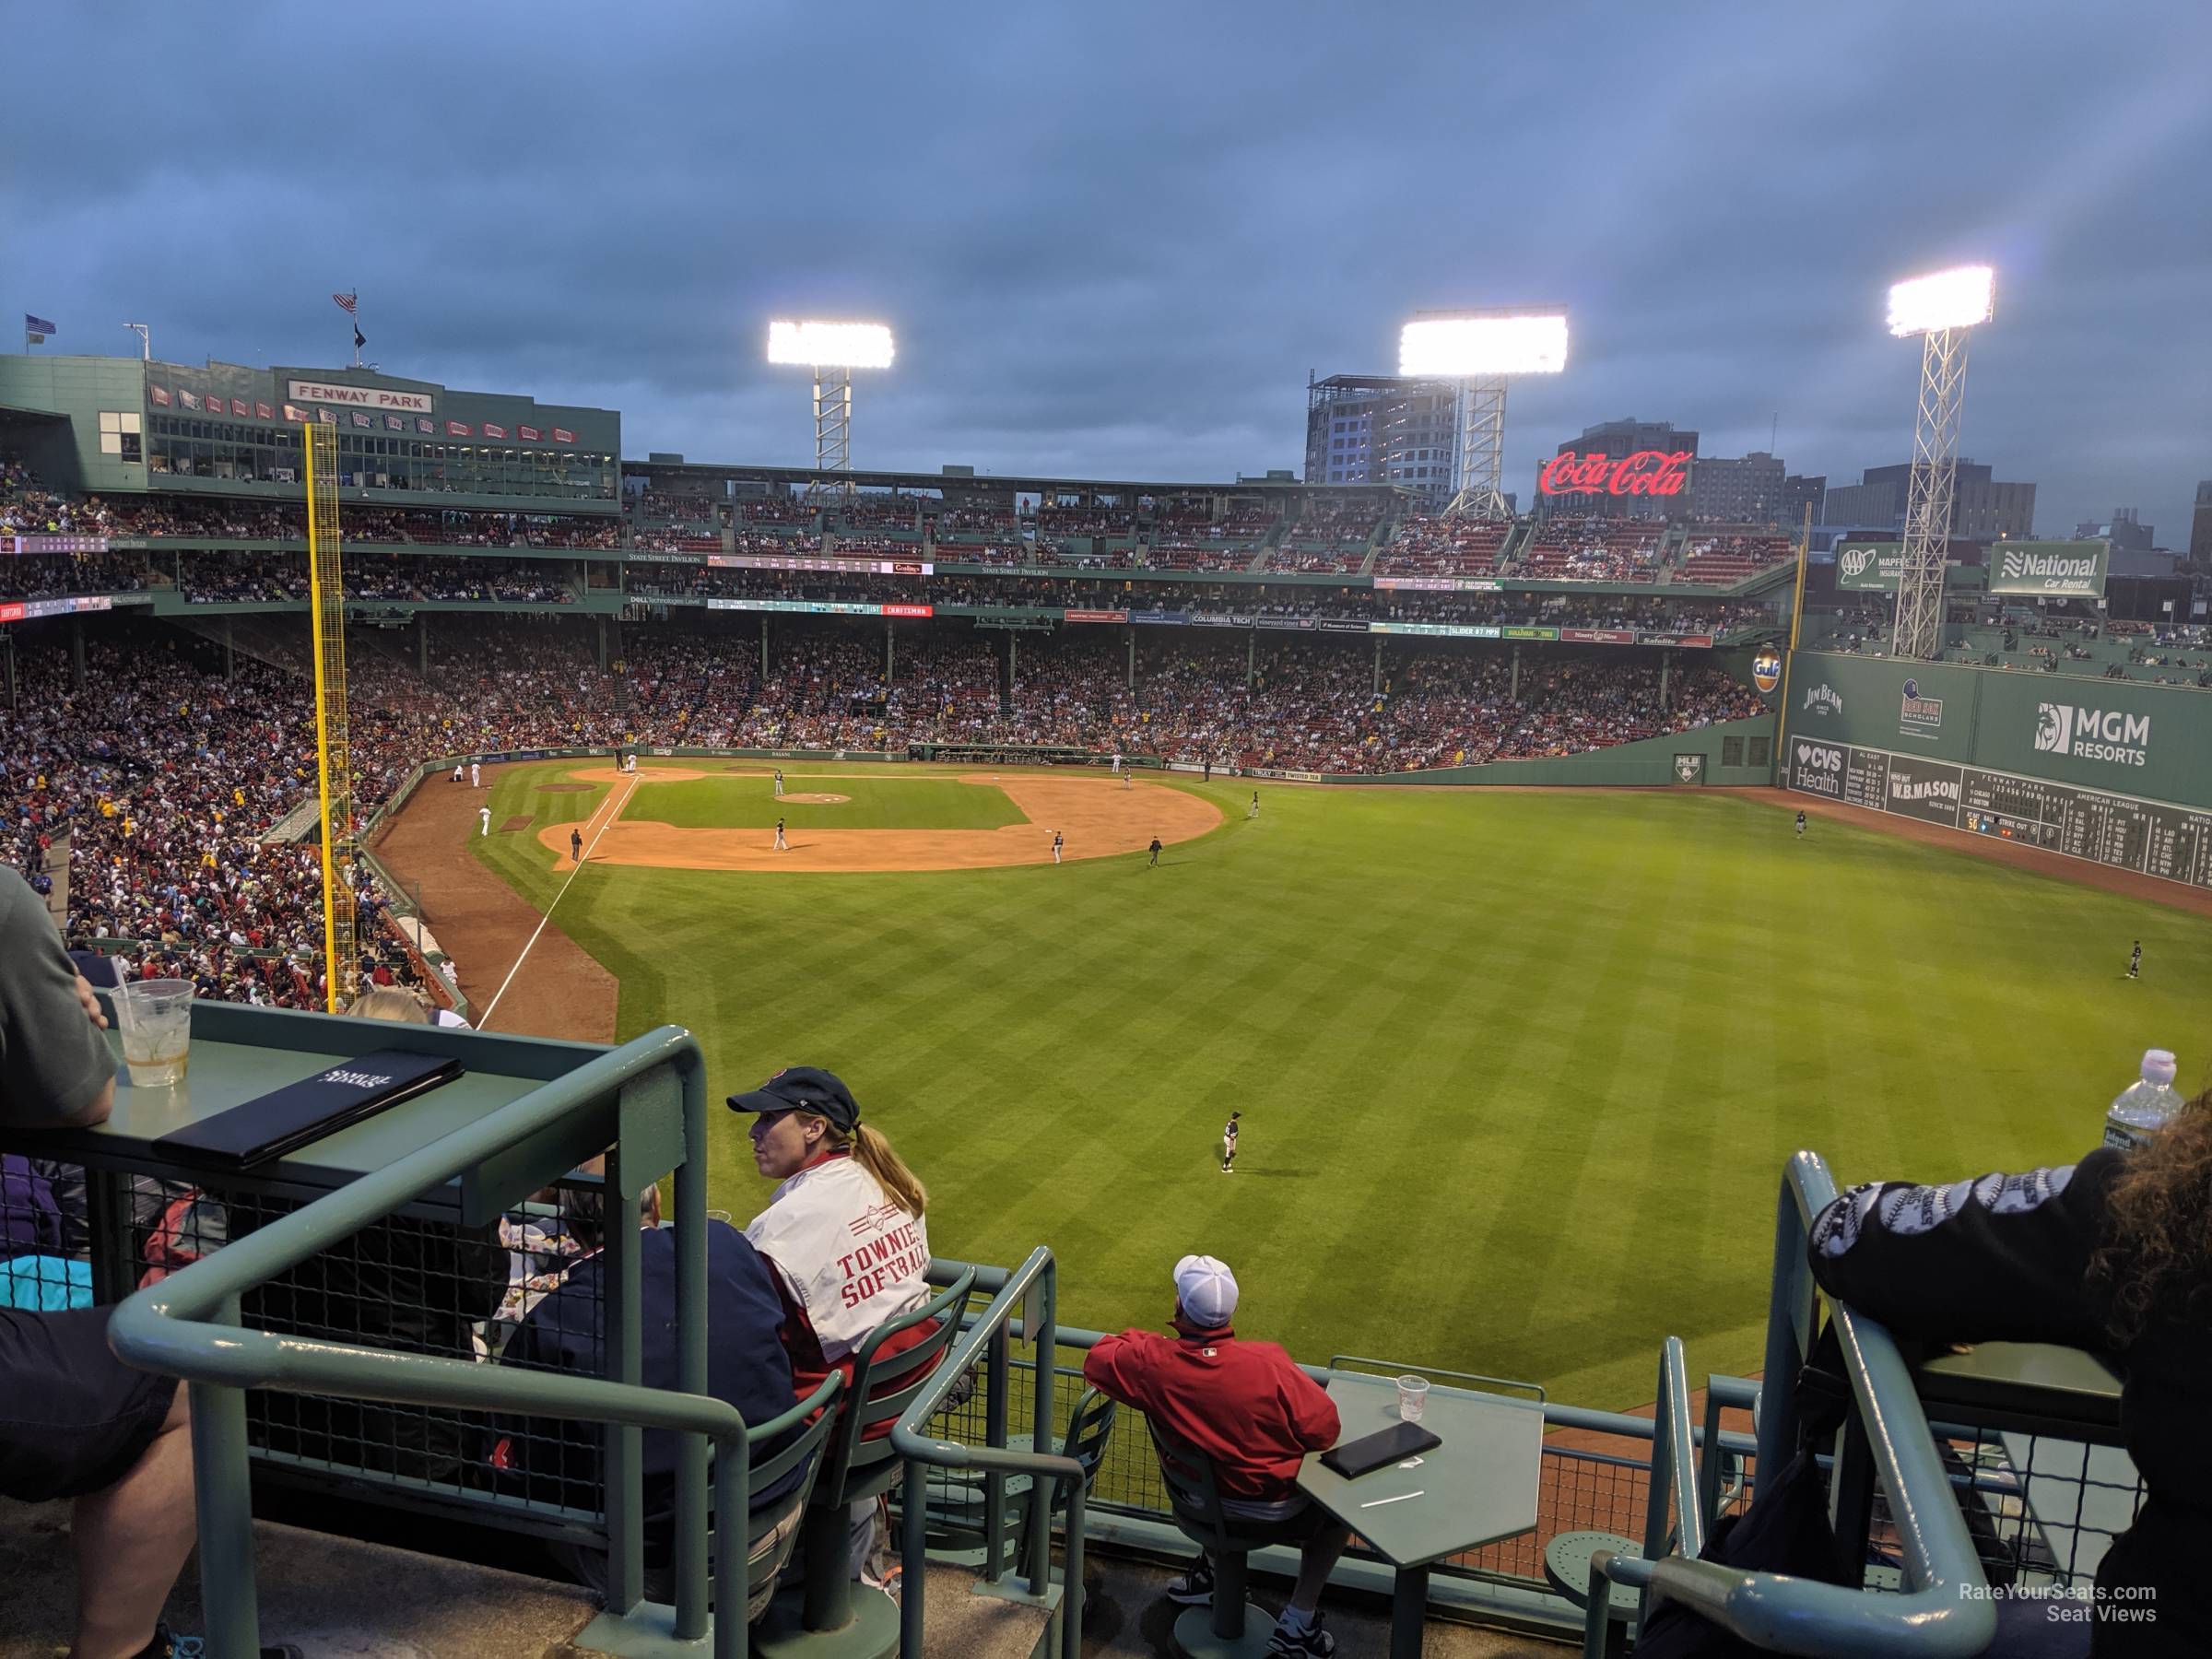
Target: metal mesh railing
x,y
2042,1511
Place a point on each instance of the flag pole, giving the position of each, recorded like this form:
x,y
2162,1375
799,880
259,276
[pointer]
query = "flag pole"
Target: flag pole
x,y
354,317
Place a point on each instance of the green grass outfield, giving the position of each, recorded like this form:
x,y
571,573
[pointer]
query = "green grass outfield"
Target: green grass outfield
x,y
901,799
1519,1071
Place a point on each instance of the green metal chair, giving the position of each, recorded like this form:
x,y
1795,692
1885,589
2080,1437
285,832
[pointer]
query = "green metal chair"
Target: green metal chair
x,y
829,1619
1222,1630
773,1532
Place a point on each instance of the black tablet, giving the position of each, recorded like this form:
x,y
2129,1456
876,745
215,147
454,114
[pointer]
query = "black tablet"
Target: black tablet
x,y
1379,1450
286,1119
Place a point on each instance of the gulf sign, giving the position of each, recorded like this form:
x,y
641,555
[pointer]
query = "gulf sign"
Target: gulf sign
x,y
1645,472
1766,671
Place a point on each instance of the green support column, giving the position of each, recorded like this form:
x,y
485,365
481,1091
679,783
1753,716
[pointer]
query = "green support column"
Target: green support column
x,y
764,648
1013,661
76,653
887,626
1252,651
603,644
226,1512
1133,661
230,653
1666,657
1515,694
1377,665
422,643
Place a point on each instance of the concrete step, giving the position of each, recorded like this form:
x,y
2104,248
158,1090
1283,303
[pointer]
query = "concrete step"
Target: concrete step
x,y
1131,1616
334,1598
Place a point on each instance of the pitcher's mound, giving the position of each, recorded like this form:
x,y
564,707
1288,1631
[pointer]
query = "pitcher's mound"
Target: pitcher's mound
x,y
817,800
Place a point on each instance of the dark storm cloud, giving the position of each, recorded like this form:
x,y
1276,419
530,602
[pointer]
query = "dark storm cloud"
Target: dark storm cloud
x,y
1113,240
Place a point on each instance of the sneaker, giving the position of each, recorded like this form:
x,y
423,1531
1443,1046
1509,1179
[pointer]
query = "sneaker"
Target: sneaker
x,y
168,1644
1195,1587
1313,1643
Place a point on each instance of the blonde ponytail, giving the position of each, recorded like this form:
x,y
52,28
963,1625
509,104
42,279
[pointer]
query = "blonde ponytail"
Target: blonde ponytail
x,y
872,1151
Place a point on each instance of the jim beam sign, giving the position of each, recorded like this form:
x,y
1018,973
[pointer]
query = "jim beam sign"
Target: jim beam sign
x,y
2053,570
1870,567
361,398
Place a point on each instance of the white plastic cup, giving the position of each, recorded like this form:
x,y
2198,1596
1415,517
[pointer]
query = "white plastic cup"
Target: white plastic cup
x,y
721,1215
156,1018
1412,1398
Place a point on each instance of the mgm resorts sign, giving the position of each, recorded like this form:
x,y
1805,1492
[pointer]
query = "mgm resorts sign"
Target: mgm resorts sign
x,y
2111,736
2050,570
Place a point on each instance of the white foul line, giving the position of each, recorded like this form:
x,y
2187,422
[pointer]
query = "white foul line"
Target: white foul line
x,y
484,1019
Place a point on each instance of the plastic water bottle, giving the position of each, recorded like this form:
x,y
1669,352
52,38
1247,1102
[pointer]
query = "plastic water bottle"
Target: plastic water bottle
x,y
2142,1108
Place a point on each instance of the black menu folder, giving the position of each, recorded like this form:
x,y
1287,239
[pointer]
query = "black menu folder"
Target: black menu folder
x,y
273,1124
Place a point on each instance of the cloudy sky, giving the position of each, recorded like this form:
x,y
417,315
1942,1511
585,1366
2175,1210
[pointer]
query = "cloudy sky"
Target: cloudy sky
x,y
1115,239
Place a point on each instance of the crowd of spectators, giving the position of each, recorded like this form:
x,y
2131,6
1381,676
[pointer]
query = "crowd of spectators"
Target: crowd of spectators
x,y
152,785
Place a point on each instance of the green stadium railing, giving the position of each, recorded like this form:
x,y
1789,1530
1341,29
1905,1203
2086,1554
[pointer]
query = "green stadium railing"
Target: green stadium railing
x,y
1030,1289
1945,1613
646,1100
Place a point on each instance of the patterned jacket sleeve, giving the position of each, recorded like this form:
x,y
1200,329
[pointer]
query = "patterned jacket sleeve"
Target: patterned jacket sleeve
x,y
2001,1258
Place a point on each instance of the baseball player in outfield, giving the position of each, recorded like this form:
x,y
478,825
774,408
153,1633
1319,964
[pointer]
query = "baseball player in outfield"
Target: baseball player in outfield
x,y
778,782
476,775
1056,841
781,845
1229,1143
1254,811
483,820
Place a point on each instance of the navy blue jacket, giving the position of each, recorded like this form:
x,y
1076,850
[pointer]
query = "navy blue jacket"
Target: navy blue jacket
x,y
558,1462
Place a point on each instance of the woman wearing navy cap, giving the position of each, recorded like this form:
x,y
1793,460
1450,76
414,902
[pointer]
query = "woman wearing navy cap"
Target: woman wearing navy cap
x,y
844,1229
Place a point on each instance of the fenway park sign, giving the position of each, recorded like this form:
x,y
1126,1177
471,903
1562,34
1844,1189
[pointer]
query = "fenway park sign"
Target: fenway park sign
x,y
1645,472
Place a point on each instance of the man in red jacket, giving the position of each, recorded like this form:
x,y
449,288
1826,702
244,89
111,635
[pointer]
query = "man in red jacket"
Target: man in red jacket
x,y
1252,1411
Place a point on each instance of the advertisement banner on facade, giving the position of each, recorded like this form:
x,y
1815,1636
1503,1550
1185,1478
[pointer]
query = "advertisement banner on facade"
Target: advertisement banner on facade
x,y
1870,567
909,610
1695,641
1441,585
2050,570
1528,633
1440,630
1094,616
30,609
1304,622
1170,619
1599,636
812,607
838,566
1342,625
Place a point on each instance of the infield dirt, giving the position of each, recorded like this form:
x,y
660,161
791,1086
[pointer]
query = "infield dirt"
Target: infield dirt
x,y
1098,818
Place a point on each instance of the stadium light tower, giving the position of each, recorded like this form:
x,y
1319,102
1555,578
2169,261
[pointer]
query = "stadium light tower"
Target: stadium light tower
x,y
1941,309
832,350
1480,349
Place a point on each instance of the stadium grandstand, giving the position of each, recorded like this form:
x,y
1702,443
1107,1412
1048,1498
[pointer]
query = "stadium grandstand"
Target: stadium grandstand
x,y
453,1332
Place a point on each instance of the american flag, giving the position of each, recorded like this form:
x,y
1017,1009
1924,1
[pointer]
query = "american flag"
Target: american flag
x,y
346,302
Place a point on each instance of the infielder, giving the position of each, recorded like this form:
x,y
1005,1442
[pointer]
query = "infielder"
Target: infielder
x,y
782,846
575,846
1129,778
456,771
476,775
1154,851
778,782
483,820
1229,1143
1254,810
1056,839
1117,761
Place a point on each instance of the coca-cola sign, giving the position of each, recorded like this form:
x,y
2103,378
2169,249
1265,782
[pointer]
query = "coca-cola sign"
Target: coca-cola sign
x,y
1645,472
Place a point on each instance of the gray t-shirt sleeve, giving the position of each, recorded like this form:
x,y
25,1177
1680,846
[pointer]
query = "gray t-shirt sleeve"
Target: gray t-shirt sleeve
x,y
53,1061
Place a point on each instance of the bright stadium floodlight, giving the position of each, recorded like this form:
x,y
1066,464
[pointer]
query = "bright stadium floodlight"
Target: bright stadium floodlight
x,y
1942,308
832,350
1959,298
1480,349
1463,347
830,344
